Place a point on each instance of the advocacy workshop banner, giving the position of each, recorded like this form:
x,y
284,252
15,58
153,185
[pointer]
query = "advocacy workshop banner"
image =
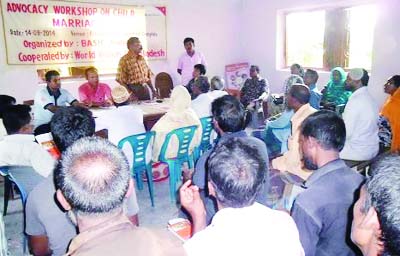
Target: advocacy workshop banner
x,y
58,32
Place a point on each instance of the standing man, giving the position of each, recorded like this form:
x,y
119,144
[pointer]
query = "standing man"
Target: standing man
x,y
49,99
321,211
361,118
133,71
188,60
94,93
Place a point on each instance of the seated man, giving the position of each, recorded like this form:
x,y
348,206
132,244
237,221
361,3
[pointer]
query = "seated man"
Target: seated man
x,y
49,99
217,87
198,71
93,93
122,121
19,146
298,98
376,229
321,211
254,87
229,121
44,218
361,118
92,181
5,101
311,79
236,174
202,102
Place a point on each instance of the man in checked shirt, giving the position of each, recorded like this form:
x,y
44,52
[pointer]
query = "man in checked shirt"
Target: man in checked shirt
x,y
133,71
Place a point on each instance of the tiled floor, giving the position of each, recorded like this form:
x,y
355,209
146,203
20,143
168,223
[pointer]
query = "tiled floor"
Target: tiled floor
x,y
157,216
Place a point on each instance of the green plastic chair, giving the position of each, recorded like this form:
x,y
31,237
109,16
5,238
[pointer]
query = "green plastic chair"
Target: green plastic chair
x,y
139,144
185,136
207,126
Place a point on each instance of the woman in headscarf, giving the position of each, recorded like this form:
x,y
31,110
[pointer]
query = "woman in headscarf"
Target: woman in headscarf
x,y
334,92
389,119
180,115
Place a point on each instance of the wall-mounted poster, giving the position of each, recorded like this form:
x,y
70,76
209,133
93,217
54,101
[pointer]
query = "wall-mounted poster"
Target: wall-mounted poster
x,y
236,75
60,32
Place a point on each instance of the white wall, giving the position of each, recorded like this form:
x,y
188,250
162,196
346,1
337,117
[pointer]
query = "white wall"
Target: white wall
x,y
229,31
211,23
260,26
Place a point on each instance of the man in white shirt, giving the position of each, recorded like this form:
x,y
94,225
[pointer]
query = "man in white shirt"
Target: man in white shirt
x,y
361,119
122,121
202,103
49,99
19,147
236,173
188,60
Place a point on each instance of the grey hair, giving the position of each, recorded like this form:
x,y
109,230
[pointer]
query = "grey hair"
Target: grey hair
x,y
217,83
383,193
93,175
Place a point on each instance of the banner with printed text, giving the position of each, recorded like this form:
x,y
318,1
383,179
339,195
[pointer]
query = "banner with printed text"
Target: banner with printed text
x,y
58,32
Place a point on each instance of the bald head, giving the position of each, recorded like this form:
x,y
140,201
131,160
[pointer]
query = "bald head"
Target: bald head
x,y
93,176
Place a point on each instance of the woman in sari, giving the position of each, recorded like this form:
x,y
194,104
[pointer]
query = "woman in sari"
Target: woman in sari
x,y
389,119
334,93
179,115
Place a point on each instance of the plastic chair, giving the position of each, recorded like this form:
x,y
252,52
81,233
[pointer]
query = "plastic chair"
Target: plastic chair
x,y
207,126
8,172
139,144
184,136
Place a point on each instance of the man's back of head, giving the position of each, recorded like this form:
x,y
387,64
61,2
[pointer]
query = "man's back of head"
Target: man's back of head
x,y
17,118
217,83
236,171
93,176
69,124
298,96
327,128
229,114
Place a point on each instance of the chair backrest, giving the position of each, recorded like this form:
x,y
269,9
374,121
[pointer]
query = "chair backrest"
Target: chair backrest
x,y
24,177
164,84
207,126
185,136
139,144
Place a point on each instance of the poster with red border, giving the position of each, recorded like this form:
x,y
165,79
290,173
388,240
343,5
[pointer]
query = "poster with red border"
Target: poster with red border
x,y
61,32
236,75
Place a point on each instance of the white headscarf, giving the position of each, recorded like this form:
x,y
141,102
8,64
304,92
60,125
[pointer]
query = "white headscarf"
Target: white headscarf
x,y
179,115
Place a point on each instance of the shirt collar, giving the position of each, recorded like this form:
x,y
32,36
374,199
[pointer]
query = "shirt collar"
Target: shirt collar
x,y
19,137
312,86
301,111
53,93
231,215
97,231
327,168
360,90
228,135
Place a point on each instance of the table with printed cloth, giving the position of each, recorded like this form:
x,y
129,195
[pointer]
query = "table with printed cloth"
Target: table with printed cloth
x,y
152,111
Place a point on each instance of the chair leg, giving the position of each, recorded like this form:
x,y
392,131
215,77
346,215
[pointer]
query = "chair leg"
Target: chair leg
x,y
150,183
138,178
7,193
172,181
191,162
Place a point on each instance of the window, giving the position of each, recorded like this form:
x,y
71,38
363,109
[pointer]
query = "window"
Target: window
x,y
328,38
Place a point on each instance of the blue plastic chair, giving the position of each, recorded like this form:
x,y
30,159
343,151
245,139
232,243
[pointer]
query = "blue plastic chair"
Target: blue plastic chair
x,y
8,181
184,136
207,126
139,144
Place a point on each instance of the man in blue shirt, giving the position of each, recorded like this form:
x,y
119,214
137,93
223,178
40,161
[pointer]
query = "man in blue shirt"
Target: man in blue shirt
x,y
321,212
311,79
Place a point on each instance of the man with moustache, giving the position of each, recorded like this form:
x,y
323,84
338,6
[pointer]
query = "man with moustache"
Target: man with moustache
x,y
321,211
